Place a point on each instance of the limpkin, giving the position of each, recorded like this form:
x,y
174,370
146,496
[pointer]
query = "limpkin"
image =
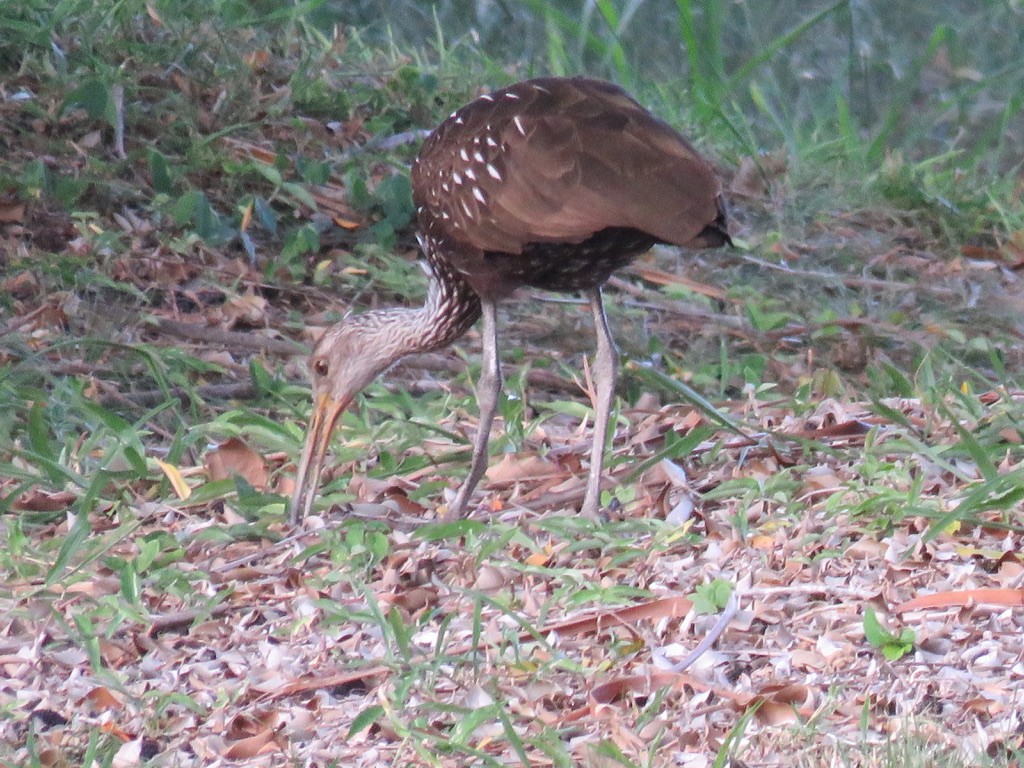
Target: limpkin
x,y
552,183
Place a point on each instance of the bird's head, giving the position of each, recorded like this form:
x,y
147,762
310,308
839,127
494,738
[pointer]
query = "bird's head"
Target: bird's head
x,y
347,358
350,355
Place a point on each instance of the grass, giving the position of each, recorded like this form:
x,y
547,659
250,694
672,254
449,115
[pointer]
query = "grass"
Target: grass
x,y
826,421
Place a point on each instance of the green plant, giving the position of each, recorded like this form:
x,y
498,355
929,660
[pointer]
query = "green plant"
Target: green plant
x,y
892,646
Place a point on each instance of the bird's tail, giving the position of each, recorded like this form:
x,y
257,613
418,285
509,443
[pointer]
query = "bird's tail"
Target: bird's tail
x,y
716,233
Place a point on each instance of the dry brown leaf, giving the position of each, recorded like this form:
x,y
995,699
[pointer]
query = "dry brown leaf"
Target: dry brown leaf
x,y
114,730
102,699
246,724
22,285
754,177
346,223
129,754
1013,598
233,457
260,744
246,310
980,252
154,15
851,428
91,140
247,217
332,199
173,474
258,59
538,559
984,707
319,681
513,469
660,277
784,704
490,579
39,500
673,606
809,660
618,688
1011,435
399,500
11,212
415,599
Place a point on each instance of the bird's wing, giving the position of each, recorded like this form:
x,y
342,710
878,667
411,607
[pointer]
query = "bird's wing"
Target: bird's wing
x,y
558,160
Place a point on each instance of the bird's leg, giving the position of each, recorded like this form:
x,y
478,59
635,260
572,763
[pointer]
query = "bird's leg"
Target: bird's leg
x,y
487,391
606,363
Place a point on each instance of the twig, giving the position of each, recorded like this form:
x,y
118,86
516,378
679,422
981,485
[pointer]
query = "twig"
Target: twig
x,y
256,554
28,317
182,619
230,339
240,390
559,499
385,143
702,647
118,94
855,282
643,299
649,301
441,363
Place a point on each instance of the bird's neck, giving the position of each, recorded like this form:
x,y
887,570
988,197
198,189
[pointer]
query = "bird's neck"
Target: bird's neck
x,y
450,310
451,307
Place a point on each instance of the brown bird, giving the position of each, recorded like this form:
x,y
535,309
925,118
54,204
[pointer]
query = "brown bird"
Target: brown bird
x,y
552,183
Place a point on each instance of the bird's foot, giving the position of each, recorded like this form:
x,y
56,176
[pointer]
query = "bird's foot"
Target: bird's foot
x,y
457,509
591,507
452,513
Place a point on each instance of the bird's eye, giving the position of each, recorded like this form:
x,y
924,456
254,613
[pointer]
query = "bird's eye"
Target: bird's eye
x,y
320,367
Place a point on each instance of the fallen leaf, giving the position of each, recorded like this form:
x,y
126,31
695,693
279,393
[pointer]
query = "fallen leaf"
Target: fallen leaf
x,y
258,59
261,743
616,689
91,140
22,285
102,699
660,277
538,559
512,469
1013,598
233,457
784,704
38,500
116,731
247,310
129,754
177,481
11,212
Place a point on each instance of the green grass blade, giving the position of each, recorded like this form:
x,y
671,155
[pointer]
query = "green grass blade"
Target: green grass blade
x,y
672,450
779,43
693,397
72,546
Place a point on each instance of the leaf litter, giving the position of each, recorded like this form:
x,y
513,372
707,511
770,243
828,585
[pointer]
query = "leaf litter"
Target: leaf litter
x,y
276,658
194,634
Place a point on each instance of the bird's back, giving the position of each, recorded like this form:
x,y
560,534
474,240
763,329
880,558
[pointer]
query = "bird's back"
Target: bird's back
x,y
557,182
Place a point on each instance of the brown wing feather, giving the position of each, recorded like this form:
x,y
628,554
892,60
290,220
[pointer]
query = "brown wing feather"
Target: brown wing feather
x,y
557,160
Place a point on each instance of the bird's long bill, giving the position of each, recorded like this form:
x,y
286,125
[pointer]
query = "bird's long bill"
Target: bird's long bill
x,y
326,411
